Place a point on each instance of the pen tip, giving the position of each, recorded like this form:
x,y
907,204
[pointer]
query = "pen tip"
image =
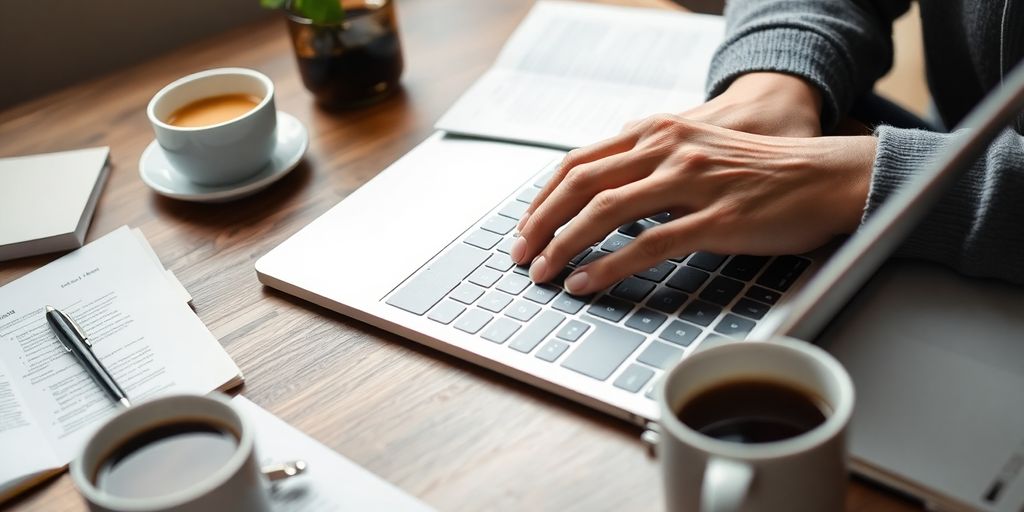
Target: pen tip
x,y
49,309
125,403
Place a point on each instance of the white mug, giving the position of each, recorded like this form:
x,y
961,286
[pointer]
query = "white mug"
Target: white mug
x,y
240,484
222,153
802,473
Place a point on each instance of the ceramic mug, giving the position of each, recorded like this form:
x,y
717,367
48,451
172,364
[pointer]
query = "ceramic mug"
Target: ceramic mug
x,y
239,484
222,153
806,472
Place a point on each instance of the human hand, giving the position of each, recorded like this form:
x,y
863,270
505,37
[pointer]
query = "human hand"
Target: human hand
x,y
729,192
766,103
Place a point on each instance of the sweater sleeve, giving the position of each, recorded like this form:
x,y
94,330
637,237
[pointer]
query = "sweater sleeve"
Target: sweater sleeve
x,y
840,46
976,226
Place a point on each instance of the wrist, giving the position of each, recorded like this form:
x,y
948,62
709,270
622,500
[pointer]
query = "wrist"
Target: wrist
x,y
850,160
779,90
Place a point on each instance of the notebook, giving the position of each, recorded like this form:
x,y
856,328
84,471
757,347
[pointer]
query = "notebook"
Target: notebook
x,y
48,200
142,329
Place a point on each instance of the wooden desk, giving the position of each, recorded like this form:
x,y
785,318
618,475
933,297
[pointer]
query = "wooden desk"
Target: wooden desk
x,y
457,436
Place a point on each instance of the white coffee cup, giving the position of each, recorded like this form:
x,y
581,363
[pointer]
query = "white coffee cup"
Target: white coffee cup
x,y
222,153
806,472
239,484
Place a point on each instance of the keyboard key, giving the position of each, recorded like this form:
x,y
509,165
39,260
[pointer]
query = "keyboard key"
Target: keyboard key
x,y
495,301
483,239
781,273
661,218
634,378
668,301
634,229
572,330
523,270
514,283
522,310
657,273
721,290
687,279
485,277
568,304
500,330
440,277
734,326
633,289
660,355
680,333
473,320
536,331
543,179
561,276
528,194
467,293
706,261
500,262
750,308
498,224
646,320
716,338
700,313
763,294
505,245
610,308
541,294
745,267
552,350
615,242
592,257
514,210
603,350
579,257
446,311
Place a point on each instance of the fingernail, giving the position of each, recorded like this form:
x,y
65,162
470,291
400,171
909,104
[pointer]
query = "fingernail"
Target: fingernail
x,y
522,221
518,250
539,269
577,283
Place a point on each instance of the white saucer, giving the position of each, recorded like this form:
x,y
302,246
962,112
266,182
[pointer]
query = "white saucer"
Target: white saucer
x,y
158,174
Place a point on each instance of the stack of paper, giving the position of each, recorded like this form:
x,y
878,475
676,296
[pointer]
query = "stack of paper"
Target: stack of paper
x,y
137,317
573,74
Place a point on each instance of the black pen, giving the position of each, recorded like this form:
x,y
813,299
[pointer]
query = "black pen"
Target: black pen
x,y
76,342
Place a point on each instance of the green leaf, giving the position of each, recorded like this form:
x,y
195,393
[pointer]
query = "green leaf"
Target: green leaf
x,y
322,12
272,4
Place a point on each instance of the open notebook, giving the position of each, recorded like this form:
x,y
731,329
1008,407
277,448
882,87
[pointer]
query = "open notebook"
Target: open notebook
x,y
574,73
138,319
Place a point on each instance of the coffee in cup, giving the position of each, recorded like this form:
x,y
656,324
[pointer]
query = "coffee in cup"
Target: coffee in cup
x,y
216,127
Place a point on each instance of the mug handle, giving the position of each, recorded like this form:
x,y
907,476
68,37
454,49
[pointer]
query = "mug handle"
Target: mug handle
x,y
726,484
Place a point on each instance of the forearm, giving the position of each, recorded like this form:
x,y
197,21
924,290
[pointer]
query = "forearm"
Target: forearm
x,y
975,227
840,47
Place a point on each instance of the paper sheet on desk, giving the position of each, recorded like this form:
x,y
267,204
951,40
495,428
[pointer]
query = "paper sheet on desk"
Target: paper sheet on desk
x,y
331,482
573,74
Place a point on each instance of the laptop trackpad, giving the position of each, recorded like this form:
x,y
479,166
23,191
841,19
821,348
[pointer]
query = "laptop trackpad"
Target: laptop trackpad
x,y
938,364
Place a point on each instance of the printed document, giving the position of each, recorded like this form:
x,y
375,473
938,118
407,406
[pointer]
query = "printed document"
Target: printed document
x,y
574,73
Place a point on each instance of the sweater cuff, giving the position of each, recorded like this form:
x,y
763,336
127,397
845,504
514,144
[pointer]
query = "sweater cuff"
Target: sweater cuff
x,y
802,53
902,154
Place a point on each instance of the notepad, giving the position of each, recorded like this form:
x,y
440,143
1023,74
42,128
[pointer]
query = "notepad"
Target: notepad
x,y
574,73
141,327
48,200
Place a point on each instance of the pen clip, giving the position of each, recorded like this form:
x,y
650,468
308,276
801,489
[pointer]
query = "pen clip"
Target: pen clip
x,y
78,330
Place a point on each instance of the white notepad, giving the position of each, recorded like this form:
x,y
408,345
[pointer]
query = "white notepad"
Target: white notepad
x,y
141,327
48,200
574,73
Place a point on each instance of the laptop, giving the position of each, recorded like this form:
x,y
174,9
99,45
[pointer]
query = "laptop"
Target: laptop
x,y
938,359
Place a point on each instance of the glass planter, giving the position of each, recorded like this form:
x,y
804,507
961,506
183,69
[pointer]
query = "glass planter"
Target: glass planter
x,y
351,63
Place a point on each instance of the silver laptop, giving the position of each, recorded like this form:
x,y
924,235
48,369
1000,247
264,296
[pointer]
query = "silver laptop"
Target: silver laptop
x,y
938,360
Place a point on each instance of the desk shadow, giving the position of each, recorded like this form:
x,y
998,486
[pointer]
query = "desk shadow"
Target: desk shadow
x,y
618,425
247,210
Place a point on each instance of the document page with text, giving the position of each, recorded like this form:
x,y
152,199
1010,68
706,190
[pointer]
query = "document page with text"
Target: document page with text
x,y
573,74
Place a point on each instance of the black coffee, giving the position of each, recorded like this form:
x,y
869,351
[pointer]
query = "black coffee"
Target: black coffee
x,y
753,411
166,459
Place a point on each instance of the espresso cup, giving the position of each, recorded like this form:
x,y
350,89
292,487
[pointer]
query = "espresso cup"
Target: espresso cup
x,y
231,479
706,472
225,152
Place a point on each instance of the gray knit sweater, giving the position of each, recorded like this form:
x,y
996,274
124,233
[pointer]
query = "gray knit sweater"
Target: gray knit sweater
x,y
844,46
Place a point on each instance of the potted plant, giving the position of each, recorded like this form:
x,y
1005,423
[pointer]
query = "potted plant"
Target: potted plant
x,y
348,51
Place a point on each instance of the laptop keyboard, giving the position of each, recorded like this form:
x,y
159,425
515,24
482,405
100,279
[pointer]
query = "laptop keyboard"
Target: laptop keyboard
x,y
625,335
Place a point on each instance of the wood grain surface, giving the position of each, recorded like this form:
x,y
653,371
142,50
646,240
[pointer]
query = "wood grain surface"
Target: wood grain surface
x,y
454,435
